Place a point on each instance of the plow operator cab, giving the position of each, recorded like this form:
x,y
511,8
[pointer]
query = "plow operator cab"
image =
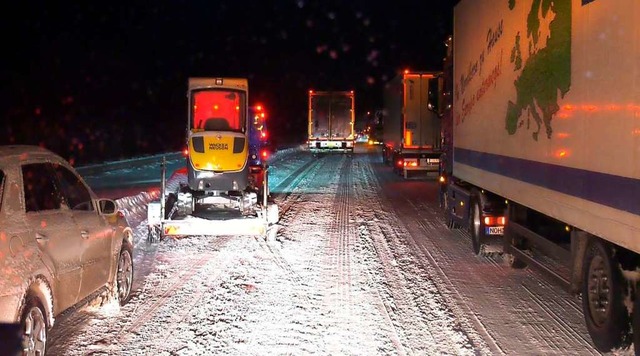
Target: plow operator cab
x,y
218,196
218,148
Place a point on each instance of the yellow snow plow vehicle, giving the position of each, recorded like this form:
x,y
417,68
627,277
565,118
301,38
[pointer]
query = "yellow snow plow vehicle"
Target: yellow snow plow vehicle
x,y
214,195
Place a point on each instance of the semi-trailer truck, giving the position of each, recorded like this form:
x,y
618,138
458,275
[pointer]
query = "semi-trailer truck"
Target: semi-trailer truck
x,y
411,126
331,121
541,124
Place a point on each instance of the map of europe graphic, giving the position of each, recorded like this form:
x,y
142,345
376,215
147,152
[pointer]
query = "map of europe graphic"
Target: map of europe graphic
x,y
546,74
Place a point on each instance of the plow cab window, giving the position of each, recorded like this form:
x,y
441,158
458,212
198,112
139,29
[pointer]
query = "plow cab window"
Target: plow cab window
x,y
218,110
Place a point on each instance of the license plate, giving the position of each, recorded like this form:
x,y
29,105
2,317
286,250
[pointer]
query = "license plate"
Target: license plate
x,y
494,230
429,161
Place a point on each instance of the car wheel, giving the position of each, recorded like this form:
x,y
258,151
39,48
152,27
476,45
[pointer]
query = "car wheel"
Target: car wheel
x,y
124,276
606,316
34,327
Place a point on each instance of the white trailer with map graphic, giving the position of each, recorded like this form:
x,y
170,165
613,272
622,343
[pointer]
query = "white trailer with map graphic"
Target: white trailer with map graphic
x,y
542,141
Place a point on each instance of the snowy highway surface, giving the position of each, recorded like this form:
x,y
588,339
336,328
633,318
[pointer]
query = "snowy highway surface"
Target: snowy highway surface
x,y
362,264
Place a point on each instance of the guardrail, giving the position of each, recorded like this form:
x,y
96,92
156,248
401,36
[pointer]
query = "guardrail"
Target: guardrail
x,y
133,162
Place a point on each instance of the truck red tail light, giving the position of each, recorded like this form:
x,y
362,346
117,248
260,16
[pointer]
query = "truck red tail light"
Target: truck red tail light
x,y
400,163
494,220
264,154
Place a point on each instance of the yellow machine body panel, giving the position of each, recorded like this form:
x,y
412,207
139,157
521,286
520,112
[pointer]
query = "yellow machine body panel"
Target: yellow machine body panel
x,y
218,151
218,148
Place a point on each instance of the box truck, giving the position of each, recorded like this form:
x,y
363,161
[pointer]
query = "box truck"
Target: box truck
x,y
411,126
331,121
541,124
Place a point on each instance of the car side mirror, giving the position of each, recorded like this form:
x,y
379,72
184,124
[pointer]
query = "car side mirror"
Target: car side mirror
x,y
107,206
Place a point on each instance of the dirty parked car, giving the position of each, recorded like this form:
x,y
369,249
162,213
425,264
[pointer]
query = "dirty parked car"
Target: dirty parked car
x,y
59,244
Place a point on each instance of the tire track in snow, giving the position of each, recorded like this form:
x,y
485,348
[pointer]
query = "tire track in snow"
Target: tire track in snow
x,y
394,301
399,301
293,276
554,334
300,191
340,237
386,274
444,321
461,307
384,308
293,183
178,281
461,310
556,296
334,282
150,309
402,298
339,274
195,298
558,321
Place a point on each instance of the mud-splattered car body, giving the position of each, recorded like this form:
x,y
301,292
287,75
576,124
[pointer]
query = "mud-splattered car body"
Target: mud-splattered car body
x,y
59,243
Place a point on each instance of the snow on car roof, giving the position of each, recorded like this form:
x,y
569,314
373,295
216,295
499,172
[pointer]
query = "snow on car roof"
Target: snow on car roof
x,y
11,153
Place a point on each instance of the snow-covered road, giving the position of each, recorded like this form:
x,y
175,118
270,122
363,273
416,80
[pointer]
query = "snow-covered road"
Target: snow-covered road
x,y
362,264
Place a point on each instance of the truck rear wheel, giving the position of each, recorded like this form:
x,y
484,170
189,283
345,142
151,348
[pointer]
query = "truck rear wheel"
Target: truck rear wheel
x,y
476,226
602,299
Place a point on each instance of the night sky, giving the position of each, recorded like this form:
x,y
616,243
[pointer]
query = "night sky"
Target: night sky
x,y
92,71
